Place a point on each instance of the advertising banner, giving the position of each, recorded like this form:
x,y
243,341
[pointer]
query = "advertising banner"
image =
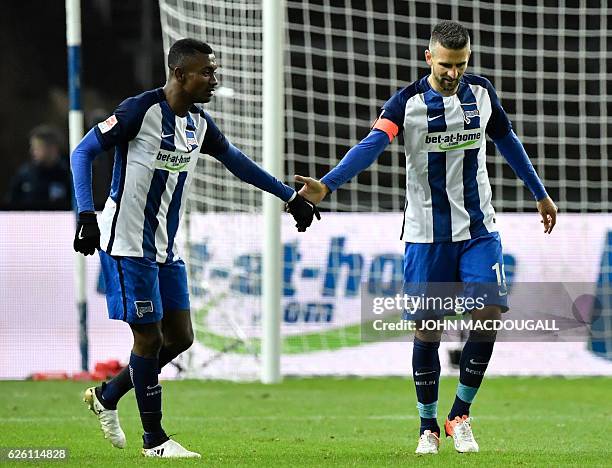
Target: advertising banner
x,y
326,273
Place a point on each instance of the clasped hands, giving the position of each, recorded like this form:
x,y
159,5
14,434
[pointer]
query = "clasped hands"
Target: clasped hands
x,y
303,207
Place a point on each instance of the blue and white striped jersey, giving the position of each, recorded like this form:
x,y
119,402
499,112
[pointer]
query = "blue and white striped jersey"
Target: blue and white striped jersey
x,y
156,153
448,195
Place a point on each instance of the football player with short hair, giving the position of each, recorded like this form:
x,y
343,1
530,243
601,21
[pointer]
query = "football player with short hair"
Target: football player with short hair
x,y
449,222
158,137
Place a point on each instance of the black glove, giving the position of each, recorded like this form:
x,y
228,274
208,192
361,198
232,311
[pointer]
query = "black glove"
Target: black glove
x,y
303,212
87,237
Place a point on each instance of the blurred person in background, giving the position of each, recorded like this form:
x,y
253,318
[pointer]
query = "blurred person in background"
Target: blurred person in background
x,y
43,182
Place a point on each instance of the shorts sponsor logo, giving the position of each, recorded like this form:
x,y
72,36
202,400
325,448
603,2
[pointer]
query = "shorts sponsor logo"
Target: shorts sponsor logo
x,y
457,140
172,161
143,307
108,124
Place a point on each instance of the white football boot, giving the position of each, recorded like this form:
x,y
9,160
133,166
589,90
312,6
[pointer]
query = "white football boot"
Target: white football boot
x,y
461,432
109,419
169,449
428,443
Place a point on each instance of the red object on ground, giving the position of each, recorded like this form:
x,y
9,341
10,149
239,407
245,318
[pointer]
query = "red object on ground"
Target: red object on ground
x,y
97,375
108,368
102,370
81,376
49,376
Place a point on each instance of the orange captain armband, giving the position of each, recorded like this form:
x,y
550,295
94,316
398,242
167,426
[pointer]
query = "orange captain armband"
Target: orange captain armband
x,y
386,126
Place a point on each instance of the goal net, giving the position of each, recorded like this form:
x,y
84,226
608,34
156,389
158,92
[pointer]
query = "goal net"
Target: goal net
x,y
549,61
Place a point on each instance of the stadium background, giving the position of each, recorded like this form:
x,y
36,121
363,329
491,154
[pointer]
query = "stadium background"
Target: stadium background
x,y
123,54
550,62
550,67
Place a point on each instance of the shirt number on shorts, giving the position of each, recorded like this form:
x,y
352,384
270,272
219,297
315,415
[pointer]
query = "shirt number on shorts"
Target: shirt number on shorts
x,y
501,278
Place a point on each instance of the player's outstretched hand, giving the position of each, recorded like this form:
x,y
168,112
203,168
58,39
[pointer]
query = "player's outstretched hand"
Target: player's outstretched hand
x,y
313,190
548,211
303,212
87,236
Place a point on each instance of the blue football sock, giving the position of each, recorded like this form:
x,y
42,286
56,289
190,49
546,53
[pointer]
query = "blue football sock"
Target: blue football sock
x,y
426,373
106,397
111,392
473,363
149,398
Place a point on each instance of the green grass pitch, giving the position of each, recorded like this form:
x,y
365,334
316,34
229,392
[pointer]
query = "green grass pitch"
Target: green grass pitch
x,y
323,422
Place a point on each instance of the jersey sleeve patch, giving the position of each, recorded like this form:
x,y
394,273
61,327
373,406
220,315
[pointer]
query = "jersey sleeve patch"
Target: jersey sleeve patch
x,y
108,124
387,126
